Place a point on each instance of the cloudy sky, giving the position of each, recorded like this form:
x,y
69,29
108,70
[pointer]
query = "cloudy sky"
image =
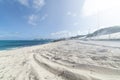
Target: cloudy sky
x,y
29,19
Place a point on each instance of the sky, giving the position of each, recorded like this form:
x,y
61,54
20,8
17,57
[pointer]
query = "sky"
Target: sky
x,y
35,19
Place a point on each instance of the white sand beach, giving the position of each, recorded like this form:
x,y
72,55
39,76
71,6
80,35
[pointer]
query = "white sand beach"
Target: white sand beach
x,y
63,60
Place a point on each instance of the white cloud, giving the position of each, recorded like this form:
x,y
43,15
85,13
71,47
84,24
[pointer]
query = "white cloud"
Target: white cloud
x,y
65,33
101,13
38,4
32,19
92,7
44,17
24,2
61,34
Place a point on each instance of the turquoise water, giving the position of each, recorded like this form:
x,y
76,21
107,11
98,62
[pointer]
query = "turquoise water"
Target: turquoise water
x,y
8,44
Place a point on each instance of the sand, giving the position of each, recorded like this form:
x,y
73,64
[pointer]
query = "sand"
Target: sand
x,y
63,60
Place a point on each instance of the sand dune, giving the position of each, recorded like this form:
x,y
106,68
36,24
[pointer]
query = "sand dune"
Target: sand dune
x,y
64,60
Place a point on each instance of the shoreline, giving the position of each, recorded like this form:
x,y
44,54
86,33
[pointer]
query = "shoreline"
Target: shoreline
x,y
7,49
11,44
63,60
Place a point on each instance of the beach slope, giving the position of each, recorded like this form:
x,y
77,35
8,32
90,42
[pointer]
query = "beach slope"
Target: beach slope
x,y
63,60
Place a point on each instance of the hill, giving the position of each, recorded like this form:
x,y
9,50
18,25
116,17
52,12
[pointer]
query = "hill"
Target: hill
x,y
105,31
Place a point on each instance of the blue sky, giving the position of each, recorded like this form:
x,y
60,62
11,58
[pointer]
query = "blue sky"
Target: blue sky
x,y
29,19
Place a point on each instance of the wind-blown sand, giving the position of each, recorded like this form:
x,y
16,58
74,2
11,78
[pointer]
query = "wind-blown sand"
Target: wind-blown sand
x,y
64,60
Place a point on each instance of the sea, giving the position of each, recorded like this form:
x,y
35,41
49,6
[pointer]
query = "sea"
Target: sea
x,y
10,44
